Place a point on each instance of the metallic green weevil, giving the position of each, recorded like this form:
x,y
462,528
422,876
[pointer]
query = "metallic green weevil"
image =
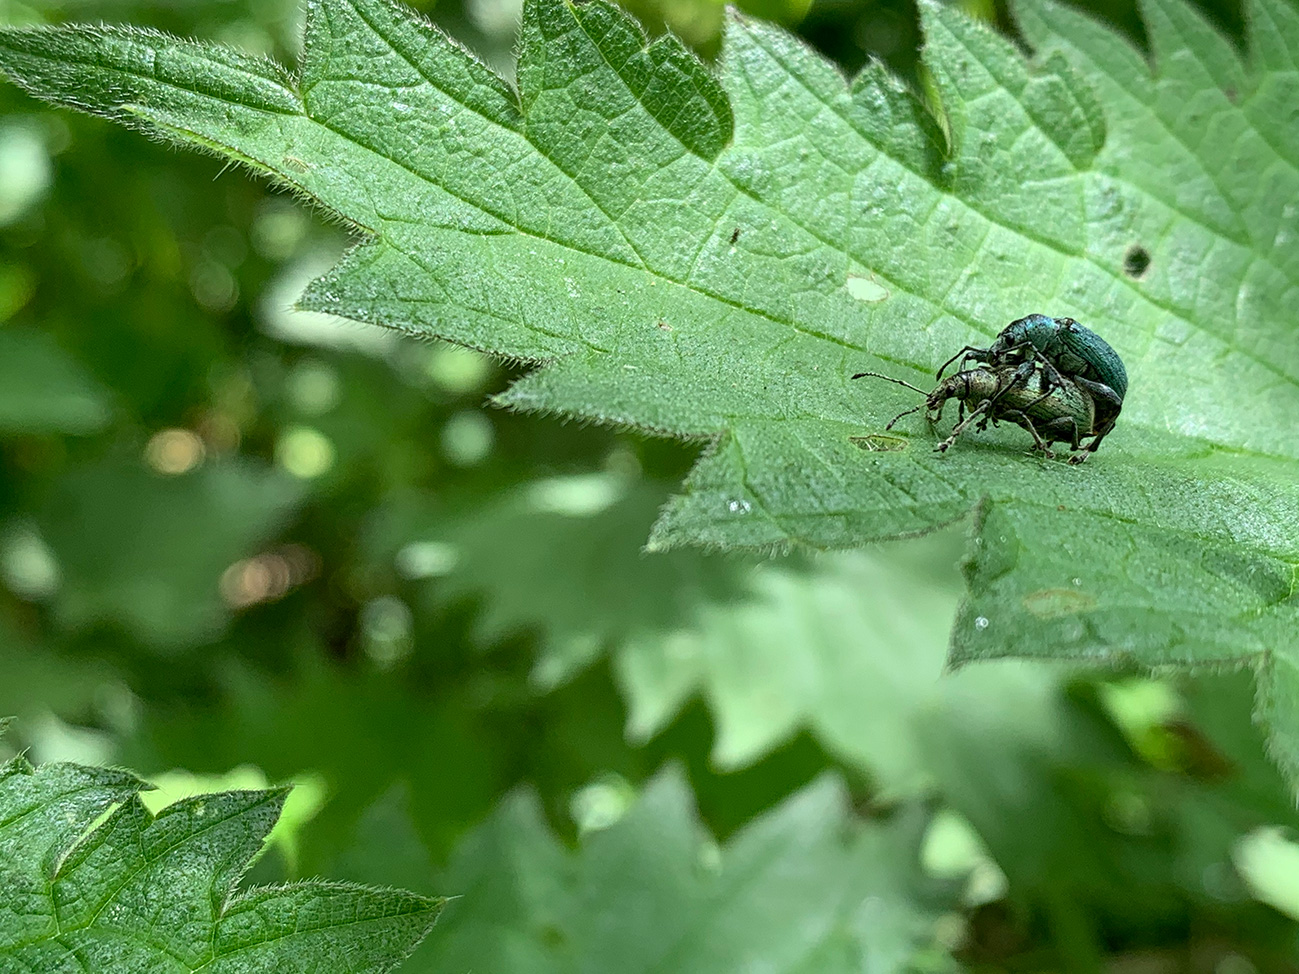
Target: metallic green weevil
x,y
1063,349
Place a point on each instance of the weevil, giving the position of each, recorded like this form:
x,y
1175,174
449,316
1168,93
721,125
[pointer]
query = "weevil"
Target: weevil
x,y
1062,349
1050,411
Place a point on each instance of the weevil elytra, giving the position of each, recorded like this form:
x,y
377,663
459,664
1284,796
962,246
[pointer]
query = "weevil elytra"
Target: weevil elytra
x,y
1050,411
1062,349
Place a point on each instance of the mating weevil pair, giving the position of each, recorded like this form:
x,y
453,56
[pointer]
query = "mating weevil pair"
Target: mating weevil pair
x,y
1055,378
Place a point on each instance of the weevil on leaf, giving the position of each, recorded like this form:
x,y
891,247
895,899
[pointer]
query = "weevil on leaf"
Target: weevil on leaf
x,y
1051,411
1062,349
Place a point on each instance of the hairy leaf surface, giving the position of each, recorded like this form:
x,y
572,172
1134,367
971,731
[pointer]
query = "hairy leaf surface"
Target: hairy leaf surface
x,y
140,892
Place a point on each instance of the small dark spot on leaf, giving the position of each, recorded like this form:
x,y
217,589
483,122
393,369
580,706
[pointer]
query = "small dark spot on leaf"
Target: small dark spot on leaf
x,y
1053,603
553,937
1232,95
1136,261
735,235
879,443
1061,507
663,325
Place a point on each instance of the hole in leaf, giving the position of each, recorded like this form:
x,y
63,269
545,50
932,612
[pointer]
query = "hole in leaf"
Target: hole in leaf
x,y
1136,261
865,289
879,443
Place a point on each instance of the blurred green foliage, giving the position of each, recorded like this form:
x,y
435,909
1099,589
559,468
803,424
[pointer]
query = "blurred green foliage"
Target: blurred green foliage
x,y
235,538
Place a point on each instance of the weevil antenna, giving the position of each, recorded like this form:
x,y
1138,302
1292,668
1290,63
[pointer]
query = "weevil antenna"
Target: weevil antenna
x,y
889,378
913,409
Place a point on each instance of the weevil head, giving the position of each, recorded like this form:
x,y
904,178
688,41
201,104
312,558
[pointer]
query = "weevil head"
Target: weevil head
x,y
968,385
1034,328
949,388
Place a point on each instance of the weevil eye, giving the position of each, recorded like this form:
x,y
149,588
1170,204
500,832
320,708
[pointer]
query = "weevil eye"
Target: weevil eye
x,y
1067,324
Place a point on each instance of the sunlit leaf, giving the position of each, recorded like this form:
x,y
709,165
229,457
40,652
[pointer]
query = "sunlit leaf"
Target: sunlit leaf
x,y
139,892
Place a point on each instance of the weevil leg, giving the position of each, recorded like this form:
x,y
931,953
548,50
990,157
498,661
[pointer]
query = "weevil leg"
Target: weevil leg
x,y
1107,403
1065,429
1011,355
1092,447
1022,419
1022,372
1106,399
960,427
970,352
1052,378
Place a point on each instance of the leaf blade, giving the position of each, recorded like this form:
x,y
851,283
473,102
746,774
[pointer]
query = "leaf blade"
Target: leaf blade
x,y
145,892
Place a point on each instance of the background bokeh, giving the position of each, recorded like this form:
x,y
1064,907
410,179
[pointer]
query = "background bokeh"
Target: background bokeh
x,y
241,544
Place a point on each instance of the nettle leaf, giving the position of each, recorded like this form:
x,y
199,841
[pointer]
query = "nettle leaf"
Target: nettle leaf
x,y
140,892
806,887
772,646
713,258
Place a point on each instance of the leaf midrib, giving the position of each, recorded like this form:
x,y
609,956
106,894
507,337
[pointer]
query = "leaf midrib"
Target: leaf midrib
x,y
136,37
147,863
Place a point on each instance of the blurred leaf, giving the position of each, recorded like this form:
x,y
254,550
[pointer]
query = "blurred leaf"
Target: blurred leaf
x,y
806,887
509,546
355,731
42,390
147,551
144,892
300,805
36,679
849,645
17,282
385,847
1269,862
24,171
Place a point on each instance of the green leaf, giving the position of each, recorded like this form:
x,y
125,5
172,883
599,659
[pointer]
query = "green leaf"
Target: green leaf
x,y
147,551
42,390
355,730
37,679
806,887
848,645
718,274
142,892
